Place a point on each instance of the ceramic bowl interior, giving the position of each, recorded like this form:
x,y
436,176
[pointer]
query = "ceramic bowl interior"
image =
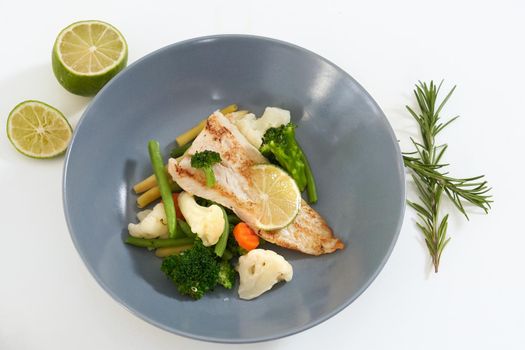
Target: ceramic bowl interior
x,y
352,149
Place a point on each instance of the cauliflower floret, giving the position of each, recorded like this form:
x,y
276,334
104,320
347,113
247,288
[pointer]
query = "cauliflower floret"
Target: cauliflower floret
x,y
207,222
141,215
259,270
254,128
152,223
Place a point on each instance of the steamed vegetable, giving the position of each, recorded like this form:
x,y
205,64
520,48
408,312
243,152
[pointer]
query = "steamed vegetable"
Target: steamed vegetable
x,y
152,223
207,222
197,271
185,228
233,249
311,188
153,194
220,247
145,184
164,186
229,109
226,274
167,251
280,144
148,197
254,128
205,160
259,270
158,242
245,237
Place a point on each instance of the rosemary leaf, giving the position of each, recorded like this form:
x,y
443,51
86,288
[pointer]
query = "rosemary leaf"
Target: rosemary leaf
x,y
430,178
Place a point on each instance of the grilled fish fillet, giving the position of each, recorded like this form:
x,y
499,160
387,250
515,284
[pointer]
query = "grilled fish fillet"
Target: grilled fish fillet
x,y
308,233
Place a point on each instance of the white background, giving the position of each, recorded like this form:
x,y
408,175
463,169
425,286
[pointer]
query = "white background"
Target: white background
x,y
48,300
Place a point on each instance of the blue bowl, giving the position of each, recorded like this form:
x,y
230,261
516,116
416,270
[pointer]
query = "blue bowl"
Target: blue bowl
x,y
352,149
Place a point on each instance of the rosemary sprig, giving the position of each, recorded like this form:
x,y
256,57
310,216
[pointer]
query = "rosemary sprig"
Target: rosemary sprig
x,y
430,178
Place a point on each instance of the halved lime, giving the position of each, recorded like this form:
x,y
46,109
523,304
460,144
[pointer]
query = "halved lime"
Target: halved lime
x,y
280,198
87,54
38,130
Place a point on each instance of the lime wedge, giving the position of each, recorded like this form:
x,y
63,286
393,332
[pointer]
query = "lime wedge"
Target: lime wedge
x,y
38,130
280,198
87,54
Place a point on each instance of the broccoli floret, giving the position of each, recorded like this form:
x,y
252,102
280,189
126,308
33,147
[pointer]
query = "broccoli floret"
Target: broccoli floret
x,y
204,161
280,143
194,271
226,274
198,270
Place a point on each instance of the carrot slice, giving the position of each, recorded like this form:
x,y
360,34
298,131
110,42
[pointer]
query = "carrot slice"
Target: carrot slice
x,y
245,236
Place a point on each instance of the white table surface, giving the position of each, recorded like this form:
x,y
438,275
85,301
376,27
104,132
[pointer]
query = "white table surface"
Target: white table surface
x,y
48,299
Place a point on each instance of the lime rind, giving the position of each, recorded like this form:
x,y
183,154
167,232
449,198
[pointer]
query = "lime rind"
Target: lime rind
x,y
87,83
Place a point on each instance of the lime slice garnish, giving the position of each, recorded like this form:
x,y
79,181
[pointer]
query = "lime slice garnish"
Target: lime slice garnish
x,y
38,130
87,54
280,198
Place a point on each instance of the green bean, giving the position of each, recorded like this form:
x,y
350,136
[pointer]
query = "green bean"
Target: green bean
x,y
185,228
167,251
164,186
310,180
158,242
223,239
179,150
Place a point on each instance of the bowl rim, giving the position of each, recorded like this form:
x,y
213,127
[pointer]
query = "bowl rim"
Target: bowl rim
x,y
285,333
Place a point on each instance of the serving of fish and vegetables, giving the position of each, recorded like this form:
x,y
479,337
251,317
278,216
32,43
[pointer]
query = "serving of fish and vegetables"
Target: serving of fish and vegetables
x,y
233,183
